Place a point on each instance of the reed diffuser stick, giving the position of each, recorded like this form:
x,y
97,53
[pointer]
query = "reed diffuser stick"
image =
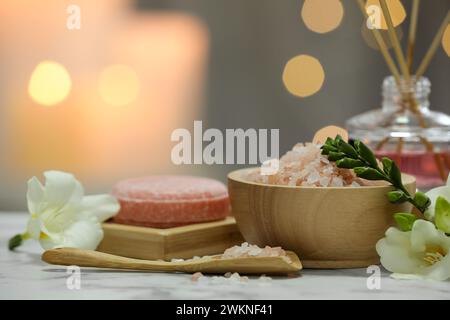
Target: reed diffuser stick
x,y
433,47
408,96
415,109
381,45
447,161
437,159
395,42
399,151
387,57
382,143
412,33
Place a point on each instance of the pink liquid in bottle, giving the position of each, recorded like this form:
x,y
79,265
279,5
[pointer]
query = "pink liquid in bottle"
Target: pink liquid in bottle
x,y
422,165
406,136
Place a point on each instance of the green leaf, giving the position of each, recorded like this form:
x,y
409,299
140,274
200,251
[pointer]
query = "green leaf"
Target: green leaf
x,y
368,173
366,153
387,165
326,149
395,175
422,201
362,160
348,149
334,156
405,221
396,196
348,163
15,241
330,142
337,140
442,214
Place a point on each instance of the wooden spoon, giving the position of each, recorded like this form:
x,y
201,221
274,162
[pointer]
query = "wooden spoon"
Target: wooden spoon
x,y
210,264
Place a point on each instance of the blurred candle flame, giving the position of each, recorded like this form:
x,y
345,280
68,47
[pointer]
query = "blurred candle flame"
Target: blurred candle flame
x,y
118,85
150,63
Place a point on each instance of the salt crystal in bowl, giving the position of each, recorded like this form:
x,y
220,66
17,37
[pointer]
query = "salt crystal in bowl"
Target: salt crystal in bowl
x,y
328,227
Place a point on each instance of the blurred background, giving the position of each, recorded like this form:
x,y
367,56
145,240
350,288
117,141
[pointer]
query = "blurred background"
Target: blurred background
x,y
102,101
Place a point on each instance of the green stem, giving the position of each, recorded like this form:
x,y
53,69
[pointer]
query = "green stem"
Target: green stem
x,y
409,198
366,156
17,240
397,186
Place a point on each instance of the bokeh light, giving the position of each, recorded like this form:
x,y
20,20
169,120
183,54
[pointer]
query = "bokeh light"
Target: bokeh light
x,y
446,40
369,39
330,131
396,11
118,85
303,75
49,83
322,16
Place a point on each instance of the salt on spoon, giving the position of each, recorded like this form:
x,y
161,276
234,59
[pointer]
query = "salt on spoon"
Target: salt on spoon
x,y
236,259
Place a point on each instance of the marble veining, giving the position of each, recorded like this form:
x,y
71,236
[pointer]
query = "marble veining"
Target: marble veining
x,y
24,276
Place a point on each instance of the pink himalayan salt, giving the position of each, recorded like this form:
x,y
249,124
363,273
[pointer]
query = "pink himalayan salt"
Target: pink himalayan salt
x,y
243,251
264,279
304,165
227,278
249,250
230,277
196,276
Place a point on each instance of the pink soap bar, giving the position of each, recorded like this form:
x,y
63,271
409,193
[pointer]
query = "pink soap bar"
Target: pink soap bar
x,y
169,201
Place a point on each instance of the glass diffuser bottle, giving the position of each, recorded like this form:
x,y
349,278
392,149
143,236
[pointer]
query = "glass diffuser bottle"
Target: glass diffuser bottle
x,y
407,131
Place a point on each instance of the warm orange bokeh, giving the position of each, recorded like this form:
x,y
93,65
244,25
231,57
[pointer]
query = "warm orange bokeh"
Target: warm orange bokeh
x,y
322,16
329,131
303,75
446,40
396,11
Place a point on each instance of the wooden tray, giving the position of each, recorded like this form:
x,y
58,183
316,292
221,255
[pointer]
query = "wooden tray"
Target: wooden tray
x,y
180,242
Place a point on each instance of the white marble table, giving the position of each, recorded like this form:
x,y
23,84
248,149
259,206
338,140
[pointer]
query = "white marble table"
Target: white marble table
x,y
24,276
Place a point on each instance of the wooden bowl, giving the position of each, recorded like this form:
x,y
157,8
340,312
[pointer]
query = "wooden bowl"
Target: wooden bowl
x,y
335,227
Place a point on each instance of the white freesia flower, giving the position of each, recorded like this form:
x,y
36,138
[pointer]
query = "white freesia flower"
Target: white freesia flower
x,y
62,216
422,253
433,194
